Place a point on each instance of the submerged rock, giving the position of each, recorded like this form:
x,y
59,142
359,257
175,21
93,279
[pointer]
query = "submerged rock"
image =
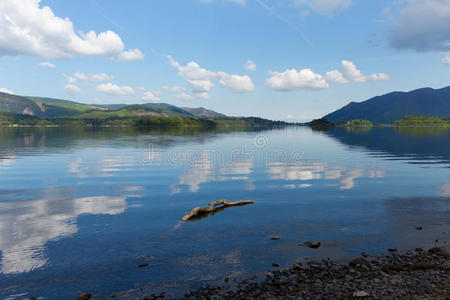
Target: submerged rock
x,y
442,251
312,244
274,237
84,296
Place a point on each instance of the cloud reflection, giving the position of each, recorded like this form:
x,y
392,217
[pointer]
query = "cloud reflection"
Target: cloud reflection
x,y
204,170
307,171
27,225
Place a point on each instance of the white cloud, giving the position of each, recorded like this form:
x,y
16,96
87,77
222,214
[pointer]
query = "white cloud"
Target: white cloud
x,y
204,95
250,65
29,29
46,64
325,7
7,91
379,77
423,25
69,79
351,72
184,96
115,90
150,96
93,77
292,79
446,60
130,55
72,88
240,84
335,77
201,80
192,71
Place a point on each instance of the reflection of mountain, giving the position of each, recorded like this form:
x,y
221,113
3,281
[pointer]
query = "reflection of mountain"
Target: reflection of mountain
x,y
306,171
27,225
399,143
205,170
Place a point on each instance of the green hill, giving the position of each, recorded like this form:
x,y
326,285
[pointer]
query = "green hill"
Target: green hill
x,y
395,106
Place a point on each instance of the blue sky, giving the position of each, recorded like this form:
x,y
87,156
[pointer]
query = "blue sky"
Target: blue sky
x,y
288,59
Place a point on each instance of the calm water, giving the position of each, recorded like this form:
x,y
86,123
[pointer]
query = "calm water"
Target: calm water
x,y
80,210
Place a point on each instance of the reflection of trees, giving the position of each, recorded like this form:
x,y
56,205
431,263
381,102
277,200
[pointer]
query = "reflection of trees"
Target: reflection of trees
x,y
27,225
422,131
399,144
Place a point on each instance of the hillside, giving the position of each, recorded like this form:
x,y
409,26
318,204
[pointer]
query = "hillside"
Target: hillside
x,y
396,105
203,112
49,108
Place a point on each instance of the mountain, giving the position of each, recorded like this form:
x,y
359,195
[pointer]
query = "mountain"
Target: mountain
x,y
49,108
203,112
396,105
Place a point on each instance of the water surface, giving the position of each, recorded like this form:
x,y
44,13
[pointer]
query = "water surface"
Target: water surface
x,y
81,209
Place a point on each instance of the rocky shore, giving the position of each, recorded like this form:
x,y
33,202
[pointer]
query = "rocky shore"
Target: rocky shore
x,y
414,274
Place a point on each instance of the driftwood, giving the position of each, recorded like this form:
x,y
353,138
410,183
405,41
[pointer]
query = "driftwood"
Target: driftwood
x,y
212,208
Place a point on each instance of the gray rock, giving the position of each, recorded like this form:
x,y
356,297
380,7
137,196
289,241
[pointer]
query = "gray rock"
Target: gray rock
x,y
312,244
441,251
84,296
360,294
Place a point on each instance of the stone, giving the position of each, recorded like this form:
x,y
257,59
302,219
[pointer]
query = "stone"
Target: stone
x,y
419,228
358,262
143,265
360,294
84,296
441,251
274,237
275,265
393,249
312,244
32,298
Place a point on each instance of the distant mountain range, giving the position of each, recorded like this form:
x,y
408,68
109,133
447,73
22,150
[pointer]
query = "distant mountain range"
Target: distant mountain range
x,y
49,108
396,105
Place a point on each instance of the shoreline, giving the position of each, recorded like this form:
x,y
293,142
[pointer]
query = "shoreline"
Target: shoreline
x,y
413,274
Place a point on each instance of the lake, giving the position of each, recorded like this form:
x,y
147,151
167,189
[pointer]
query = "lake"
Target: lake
x,y
81,209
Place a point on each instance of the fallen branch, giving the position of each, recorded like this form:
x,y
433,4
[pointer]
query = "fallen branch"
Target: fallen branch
x,y
212,207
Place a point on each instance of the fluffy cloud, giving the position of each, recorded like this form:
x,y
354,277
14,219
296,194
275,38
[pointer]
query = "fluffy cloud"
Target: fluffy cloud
x,y
423,25
93,77
69,79
201,80
250,65
29,29
46,64
352,73
130,55
201,86
379,77
240,84
325,7
72,88
7,91
446,60
292,79
184,96
335,77
115,90
150,96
